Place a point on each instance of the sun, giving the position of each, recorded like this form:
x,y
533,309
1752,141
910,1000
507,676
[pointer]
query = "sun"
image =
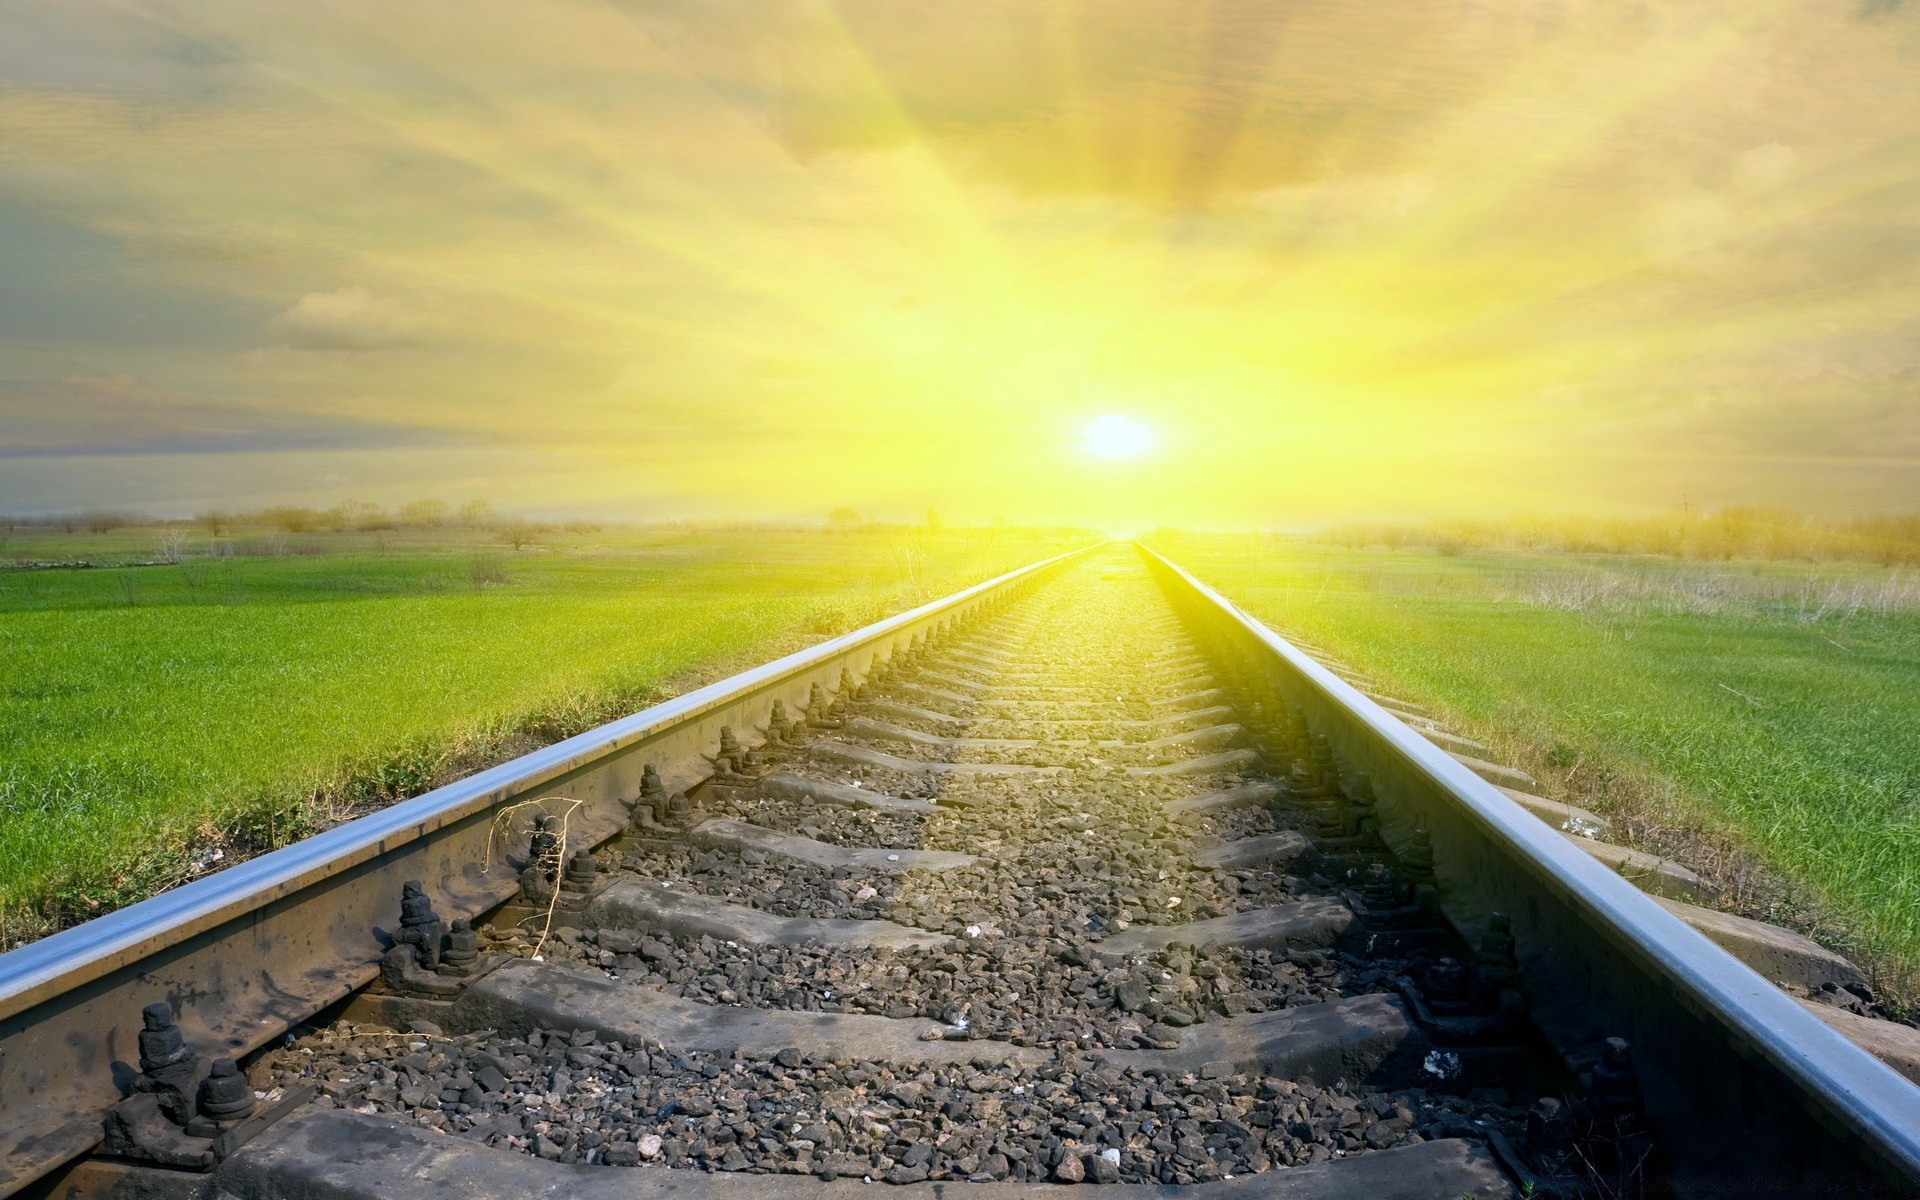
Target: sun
x,y
1115,438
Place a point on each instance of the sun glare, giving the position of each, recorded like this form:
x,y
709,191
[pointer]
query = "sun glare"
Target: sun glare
x,y
1116,438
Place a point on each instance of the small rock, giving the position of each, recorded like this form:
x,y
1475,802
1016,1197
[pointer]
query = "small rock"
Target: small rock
x,y
1178,1016
1071,1169
908,1095
1101,1169
649,1146
617,941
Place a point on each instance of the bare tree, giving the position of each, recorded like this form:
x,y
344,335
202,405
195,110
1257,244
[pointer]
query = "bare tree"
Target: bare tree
x,y
424,512
173,544
215,521
292,519
358,514
519,534
476,512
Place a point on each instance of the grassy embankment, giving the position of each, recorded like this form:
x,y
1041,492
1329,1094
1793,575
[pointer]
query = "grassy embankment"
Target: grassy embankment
x,y
152,717
1744,711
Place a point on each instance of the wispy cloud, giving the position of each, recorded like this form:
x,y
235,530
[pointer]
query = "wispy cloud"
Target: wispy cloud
x,y
348,318
87,415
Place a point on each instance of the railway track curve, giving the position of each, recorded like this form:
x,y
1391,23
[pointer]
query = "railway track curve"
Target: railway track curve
x,y
1077,877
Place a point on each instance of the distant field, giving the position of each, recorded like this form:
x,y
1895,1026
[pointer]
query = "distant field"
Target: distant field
x,y
1773,702
263,685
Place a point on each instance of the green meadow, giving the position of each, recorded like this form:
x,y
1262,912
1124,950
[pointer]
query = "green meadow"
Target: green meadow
x,y
235,693
1760,709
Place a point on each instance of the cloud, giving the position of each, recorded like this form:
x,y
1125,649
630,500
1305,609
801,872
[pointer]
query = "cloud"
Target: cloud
x,y
349,318
759,249
92,414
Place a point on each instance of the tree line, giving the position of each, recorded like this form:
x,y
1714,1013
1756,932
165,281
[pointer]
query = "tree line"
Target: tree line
x,y
285,518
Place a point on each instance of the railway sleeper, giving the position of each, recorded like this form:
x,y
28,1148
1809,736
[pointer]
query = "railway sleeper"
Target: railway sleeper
x,y
1452,741
867,756
827,791
1261,850
934,695
1054,725
1497,774
642,905
1253,794
1355,1039
1190,699
1241,761
329,1154
1567,818
728,834
1316,922
1208,738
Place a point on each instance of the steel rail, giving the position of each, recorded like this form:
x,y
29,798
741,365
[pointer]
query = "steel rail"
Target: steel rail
x,y
245,954
1689,984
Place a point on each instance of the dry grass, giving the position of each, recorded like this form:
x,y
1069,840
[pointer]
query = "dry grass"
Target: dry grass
x,y
1749,534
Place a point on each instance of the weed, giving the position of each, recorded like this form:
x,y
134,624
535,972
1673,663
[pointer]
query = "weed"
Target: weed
x,y
487,570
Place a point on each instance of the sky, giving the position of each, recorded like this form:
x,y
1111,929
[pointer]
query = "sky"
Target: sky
x,y
745,258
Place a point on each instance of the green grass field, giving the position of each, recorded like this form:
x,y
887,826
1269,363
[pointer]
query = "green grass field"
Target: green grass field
x,y
1774,703
151,715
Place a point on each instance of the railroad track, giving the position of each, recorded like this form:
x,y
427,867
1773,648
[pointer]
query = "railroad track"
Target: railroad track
x,y
1076,877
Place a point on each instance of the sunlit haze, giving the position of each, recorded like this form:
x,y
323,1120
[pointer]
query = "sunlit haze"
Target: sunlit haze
x,y
651,258
1116,437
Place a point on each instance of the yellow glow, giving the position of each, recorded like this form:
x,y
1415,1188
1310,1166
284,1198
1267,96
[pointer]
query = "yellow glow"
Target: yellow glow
x,y
1116,438
747,259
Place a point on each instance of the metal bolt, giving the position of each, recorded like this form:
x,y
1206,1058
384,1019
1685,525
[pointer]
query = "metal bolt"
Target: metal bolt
x,y
226,1098
1417,860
